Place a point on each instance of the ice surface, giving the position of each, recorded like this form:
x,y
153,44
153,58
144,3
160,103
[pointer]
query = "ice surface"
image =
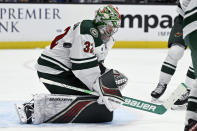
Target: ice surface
x,y
18,81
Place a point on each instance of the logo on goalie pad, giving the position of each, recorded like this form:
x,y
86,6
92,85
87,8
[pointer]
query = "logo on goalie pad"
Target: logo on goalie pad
x,y
60,99
140,105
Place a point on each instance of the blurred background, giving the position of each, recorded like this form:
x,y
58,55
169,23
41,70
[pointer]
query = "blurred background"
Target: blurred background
x,y
144,23
94,1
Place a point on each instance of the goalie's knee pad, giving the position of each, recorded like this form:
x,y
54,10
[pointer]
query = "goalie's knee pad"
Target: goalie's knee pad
x,y
51,108
175,53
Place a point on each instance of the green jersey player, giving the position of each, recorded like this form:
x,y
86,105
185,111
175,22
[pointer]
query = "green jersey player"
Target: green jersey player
x,y
75,59
176,50
189,7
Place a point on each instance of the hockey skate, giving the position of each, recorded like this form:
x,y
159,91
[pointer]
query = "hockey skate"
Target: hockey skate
x,y
181,103
192,125
25,112
158,92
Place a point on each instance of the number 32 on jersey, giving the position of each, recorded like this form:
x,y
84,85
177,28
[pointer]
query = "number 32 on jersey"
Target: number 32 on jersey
x,y
88,47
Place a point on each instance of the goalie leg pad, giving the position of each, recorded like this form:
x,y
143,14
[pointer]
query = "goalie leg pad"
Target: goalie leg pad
x,y
69,109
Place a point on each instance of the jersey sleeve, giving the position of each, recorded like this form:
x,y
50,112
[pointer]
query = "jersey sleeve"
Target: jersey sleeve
x,y
83,59
180,10
182,6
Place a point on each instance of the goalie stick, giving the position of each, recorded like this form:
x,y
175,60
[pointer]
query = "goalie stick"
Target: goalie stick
x,y
131,102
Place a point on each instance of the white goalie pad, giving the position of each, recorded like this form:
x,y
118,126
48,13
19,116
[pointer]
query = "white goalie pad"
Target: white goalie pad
x,y
48,105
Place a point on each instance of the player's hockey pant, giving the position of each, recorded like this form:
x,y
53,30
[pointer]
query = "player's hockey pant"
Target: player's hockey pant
x,y
191,40
176,33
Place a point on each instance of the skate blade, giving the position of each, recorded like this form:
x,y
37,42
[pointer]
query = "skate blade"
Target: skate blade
x,y
156,101
179,107
21,114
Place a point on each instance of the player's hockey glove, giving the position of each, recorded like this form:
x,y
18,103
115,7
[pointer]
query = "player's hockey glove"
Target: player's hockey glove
x,y
120,79
110,94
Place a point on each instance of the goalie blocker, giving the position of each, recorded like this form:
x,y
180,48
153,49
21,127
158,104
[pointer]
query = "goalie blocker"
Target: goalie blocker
x,y
63,108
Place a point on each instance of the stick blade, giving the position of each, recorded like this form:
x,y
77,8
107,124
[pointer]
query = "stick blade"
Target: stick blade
x,y
174,96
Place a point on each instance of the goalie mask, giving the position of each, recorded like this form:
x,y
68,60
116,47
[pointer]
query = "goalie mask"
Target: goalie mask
x,y
107,20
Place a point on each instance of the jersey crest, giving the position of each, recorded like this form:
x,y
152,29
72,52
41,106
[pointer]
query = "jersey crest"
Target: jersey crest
x,y
94,32
178,34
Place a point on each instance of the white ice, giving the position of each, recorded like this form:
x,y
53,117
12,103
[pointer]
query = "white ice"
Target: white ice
x,y
18,81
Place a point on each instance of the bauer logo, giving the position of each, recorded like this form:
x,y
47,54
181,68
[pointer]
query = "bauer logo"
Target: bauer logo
x,y
140,105
60,99
146,21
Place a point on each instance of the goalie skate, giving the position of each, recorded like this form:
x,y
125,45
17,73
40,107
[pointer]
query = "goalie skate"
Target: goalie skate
x,y
179,107
24,112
